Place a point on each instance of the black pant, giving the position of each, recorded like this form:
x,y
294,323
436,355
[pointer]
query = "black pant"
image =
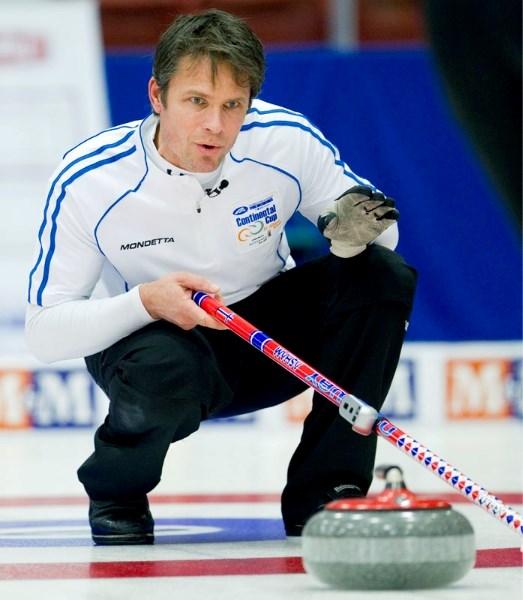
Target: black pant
x,y
345,317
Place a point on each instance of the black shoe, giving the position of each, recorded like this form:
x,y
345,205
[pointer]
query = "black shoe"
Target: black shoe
x,y
338,493
117,523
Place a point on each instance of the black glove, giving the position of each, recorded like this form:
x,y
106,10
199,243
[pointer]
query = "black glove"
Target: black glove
x,y
355,219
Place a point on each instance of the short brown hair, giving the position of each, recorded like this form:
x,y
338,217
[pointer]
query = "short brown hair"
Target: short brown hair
x,y
215,34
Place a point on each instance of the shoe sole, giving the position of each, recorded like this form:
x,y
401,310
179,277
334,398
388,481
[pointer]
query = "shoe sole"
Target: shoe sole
x,y
127,539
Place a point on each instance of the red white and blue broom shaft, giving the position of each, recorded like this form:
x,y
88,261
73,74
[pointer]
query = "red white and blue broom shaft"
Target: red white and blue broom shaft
x,y
363,418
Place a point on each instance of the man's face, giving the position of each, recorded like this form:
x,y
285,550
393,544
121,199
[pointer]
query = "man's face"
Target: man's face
x,y
200,119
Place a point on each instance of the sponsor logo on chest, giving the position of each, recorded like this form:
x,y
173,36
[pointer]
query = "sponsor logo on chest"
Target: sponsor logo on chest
x,y
254,224
146,243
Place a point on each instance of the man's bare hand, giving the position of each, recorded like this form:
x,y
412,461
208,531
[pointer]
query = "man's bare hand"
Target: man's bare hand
x,y
170,298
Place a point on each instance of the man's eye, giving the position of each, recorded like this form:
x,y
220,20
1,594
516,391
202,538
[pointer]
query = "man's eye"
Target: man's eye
x,y
196,100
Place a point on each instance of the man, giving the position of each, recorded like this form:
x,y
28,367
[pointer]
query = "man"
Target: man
x,y
196,197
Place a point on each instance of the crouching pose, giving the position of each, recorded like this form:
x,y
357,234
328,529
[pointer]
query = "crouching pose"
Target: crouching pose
x,y
196,197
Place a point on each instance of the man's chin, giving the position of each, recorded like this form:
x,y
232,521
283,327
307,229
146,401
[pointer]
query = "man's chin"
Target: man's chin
x,y
207,165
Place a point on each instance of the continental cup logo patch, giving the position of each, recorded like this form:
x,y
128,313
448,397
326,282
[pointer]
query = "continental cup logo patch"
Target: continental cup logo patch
x,y
256,223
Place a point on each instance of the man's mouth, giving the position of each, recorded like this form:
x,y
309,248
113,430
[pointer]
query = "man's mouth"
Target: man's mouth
x,y
208,146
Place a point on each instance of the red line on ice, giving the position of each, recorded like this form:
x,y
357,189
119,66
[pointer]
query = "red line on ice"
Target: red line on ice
x,y
490,558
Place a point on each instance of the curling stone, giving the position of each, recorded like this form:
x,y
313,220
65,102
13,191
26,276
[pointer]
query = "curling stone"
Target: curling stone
x,y
396,540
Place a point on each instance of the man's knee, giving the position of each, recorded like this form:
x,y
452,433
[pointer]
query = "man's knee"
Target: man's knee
x,y
146,398
394,272
165,384
377,275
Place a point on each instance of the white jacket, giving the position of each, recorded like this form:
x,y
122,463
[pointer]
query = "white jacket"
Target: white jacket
x,y
117,215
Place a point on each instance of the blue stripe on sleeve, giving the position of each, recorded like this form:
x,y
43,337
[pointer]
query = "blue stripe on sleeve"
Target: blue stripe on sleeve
x,y
132,127
316,135
54,216
68,167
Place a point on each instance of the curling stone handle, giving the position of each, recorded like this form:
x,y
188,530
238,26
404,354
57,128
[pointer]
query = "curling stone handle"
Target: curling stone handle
x,y
393,476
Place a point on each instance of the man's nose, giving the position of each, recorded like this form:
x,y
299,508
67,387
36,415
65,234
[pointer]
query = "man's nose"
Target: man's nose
x,y
214,119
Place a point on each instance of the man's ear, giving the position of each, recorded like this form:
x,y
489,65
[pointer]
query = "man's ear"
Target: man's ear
x,y
154,96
